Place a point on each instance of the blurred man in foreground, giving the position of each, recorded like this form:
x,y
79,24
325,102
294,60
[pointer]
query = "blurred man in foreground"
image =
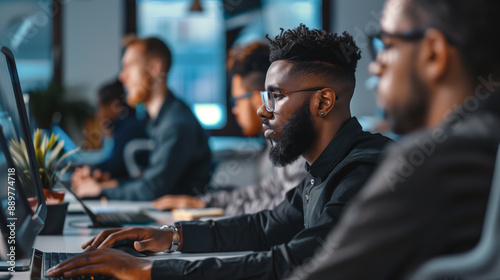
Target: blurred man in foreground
x,y
439,69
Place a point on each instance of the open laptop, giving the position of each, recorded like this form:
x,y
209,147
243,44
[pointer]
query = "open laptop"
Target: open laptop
x,y
113,219
23,210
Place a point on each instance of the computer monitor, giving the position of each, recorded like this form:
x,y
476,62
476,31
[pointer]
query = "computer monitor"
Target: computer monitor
x,y
22,203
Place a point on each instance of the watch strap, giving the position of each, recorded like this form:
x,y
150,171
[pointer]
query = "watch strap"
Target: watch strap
x,y
175,244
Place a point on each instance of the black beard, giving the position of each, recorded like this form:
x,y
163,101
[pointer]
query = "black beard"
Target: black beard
x,y
298,136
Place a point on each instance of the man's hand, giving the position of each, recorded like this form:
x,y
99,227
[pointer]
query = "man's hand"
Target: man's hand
x,y
84,172
107,262
177,201
146,238
87,187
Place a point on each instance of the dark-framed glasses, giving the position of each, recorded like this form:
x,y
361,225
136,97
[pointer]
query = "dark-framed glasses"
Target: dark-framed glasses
x,y
233,100
269,97
378,46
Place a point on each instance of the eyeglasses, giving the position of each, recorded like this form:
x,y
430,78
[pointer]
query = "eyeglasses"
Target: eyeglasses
x,y
233,100
377,45
269,97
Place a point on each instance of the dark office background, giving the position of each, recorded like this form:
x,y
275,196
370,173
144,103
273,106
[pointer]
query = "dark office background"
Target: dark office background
x,y
77,43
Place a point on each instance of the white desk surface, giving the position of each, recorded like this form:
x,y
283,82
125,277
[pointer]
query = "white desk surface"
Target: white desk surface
x,y
73,238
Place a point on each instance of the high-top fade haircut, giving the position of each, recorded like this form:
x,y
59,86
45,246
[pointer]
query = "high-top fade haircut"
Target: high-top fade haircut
x,y
251,63
315,52
471,26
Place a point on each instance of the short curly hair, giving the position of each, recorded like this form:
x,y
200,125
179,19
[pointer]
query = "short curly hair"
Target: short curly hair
x,y
243,60
251,63
317,52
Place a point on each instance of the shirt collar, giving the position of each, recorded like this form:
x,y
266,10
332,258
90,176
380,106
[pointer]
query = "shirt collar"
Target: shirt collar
x,y
336,150
164,108
121,119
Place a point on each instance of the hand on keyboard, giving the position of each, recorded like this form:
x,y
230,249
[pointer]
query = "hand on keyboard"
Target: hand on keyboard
x,y
146,238
105,261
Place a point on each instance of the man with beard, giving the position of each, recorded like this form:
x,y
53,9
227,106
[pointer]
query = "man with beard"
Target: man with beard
x,y
306,112
439,67
248,66
180,160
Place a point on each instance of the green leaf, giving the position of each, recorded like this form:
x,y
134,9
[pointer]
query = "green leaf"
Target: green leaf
x,y
25,151
65,156
18,159
17,152
55,152
39,158
43,146
63,171
52,141
38,134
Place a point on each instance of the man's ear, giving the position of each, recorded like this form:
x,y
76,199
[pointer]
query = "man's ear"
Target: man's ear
x,y
325,101
434,55
155,68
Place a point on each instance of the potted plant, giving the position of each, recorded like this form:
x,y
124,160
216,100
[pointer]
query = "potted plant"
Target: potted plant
x,y
49,157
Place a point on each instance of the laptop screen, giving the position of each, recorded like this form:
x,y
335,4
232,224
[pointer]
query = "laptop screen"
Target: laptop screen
x,y
21,199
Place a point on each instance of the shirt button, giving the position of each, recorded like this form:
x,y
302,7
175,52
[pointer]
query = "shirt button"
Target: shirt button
x,y
312,182
307,197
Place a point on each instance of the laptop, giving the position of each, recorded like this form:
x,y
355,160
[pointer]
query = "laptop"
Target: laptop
x,y
112,219
23,210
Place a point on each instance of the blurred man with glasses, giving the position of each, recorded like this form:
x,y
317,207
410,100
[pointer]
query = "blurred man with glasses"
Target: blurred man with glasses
x,y
306,113
438,62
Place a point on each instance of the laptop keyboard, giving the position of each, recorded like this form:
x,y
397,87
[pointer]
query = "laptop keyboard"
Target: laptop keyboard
x,y
54,258
125,218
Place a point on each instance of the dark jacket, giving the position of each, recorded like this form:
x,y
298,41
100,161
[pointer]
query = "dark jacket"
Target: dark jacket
x,y
124,128
427,199
179,162
290,233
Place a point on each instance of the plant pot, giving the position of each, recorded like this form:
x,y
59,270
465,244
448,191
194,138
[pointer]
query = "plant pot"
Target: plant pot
x,y
54,223
53,197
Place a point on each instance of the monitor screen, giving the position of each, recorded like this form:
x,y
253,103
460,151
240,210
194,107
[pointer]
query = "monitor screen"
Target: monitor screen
x,y
21,199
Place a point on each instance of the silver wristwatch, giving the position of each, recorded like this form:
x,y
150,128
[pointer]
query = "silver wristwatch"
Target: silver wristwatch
x,y
175,244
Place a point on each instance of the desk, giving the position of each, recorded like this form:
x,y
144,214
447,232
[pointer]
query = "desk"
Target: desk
x,y
73,238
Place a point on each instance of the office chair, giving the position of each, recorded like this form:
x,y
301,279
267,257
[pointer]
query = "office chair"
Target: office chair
x,y
483,261
132,148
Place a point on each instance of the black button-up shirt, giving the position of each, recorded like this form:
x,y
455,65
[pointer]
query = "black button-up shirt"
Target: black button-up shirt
x,y
285,236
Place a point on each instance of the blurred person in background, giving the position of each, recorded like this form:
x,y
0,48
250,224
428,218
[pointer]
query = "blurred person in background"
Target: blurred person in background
x,y
117,120
180,162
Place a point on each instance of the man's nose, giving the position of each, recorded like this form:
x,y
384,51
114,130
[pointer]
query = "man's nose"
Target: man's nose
x,y
263,113
121,76
375,68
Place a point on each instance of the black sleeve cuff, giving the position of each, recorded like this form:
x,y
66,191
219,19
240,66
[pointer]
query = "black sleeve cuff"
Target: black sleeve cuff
x,y
197,236
168,269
